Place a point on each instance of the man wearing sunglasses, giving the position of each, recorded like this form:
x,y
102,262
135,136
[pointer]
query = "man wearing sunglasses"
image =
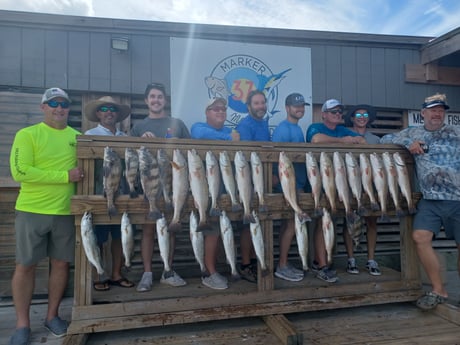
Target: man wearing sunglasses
x,y
43,159
107,113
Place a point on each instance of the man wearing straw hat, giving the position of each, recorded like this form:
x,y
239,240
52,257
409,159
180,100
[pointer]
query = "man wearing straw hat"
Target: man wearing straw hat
x,y
108,113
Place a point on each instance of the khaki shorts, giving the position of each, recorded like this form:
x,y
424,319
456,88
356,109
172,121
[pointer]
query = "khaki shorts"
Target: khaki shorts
x,y
39,236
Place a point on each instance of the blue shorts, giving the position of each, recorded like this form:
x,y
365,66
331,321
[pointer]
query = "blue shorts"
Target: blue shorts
x,y
432,214
103,231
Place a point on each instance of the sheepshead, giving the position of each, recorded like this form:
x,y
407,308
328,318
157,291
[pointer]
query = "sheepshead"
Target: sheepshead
x,y
132,171
88,239
180,188
199,187
355,181
111,178
328,234
404,181
197,239
366,179
228,179
392,180
327,178
244,184
314,177
258,180
341,183
301,234
163,244
127,239
164,164
228,240
380,182
213,177
258,241
355,229
150,180
288,184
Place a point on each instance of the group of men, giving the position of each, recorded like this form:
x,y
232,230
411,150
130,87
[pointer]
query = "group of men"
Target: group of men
x,y
43,160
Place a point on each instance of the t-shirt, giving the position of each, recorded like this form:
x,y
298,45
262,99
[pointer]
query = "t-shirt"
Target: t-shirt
x,y
251,129
40,159
164,127
201,130
101,130
371,138
320,128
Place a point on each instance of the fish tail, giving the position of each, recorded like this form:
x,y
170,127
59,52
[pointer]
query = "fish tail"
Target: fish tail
x,y
215,212
236,207
263,208
318,212
375,206
203,226
384,217
112,210
235,277
133,194
154,215
304,217
400,212
175,227
362,211
248,218
265,272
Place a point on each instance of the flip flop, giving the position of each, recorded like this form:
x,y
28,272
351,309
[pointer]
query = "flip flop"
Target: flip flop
x,y
101,286
430,300
122,282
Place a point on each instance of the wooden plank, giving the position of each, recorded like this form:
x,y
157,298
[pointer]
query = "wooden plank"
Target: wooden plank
x,y
283,329
448,312
75,339
446,75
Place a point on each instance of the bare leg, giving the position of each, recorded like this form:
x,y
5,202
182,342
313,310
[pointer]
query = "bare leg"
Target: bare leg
x,y
246,247
348,241
172,247
22,287
286,235
117,259
320,246
429,259
210,252
148,231
371,234
57,283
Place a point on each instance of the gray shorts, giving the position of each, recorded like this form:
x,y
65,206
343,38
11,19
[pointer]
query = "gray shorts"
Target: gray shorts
x,y
39,236
432,214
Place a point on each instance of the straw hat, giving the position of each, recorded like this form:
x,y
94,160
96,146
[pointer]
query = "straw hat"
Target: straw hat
x,y
92,107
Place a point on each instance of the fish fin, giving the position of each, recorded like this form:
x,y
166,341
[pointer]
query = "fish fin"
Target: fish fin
x,y
263,208
215,212
248,218
375,206
133,194
174,227
154,215
236,207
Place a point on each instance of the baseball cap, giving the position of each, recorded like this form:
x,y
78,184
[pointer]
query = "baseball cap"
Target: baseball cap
x,y
330,104
215,100
435,100
54,92
295,99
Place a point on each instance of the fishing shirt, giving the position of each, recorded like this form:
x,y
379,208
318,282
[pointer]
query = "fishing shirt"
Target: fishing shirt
x,y
40,159
201,130
164,127
320,128
438,170
252,129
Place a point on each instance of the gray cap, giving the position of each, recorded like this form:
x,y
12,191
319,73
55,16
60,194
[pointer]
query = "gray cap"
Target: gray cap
x,y
55,92
331,104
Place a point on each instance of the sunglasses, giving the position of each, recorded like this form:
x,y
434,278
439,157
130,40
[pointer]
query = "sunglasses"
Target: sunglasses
x,y
218,109
336,111
358,115
55,104
105,109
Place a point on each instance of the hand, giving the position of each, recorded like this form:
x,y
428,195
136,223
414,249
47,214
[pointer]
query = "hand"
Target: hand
x,y
76,175
416,148
235,135
148,135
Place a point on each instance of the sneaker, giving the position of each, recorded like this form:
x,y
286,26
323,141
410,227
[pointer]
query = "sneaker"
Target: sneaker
x,y
21,336
215,281
315,268
146,282
352,268
249,274
286,273
57,326
296,271
172,278
327,275
373,268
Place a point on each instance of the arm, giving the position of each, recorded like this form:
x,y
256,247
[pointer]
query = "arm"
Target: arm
x,y
321,138
202,131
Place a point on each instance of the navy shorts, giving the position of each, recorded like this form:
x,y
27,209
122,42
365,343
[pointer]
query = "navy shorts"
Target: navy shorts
x,y
432,214
103,231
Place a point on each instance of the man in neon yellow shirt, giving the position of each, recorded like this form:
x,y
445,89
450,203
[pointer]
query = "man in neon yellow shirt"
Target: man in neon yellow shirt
x,y
43,159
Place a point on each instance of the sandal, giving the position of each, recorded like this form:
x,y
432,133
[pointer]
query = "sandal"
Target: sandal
x,y
122,282
101,286
430,300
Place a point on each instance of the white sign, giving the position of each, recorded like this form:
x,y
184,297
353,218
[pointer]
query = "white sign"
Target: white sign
x,y
203,69
416,119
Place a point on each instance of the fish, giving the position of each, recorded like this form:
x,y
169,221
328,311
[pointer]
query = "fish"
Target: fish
x,y
150,180
88,239
288,184
243,182
341,183
199,187
392,180
213,177
366,179
163,245
355,181
132,171
164,164
355,229
327,178
301,234
217,87
127,239
328,233
229,180
314,177
381,183
180,188
197,239
111,178
228,240
404,182
257,171
258,242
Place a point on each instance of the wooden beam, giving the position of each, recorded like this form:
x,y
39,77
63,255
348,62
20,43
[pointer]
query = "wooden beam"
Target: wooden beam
x,y
75,339
440,48
283,329
449,312
425,75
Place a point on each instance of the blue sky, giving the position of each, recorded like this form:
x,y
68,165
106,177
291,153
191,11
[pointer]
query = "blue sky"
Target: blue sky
x,y
395,17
